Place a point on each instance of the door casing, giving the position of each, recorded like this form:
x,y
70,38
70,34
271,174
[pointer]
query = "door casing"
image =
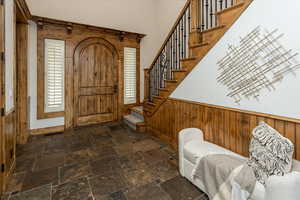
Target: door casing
x,y
111,90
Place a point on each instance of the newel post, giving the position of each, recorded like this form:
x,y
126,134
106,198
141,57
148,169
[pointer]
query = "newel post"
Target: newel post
x,y
195,23
146,83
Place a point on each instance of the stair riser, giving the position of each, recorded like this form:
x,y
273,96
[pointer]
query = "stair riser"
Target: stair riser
x,y
188,65
171,85
195,38
179,75
157,101
226,17
199,52
131,125
211,36
138,115
164,93
148,107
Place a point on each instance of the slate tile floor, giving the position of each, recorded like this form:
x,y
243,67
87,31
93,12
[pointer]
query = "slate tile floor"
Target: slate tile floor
x,y
101,162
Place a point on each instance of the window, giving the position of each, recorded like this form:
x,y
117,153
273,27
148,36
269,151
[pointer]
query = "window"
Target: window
x,y
54,75
130,75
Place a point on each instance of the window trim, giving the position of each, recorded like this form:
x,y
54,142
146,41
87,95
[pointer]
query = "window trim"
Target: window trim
x,y
137,74
41,97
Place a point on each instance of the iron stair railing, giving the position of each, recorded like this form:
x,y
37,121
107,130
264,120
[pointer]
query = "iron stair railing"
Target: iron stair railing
x,y
176,46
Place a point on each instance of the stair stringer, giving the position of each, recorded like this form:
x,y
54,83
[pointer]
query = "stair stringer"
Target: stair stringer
x,y
209,38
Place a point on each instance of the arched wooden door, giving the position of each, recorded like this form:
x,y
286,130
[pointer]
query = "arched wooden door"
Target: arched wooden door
x,y
95,82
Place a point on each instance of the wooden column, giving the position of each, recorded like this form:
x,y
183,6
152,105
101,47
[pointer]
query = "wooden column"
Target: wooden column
x,y
146,83
2,22
22,82
195,38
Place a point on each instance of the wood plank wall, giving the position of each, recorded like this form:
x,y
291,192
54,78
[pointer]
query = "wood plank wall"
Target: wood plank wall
x,y
229,128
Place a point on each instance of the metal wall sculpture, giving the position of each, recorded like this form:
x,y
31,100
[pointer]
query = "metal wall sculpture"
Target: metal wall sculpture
x,y
256,64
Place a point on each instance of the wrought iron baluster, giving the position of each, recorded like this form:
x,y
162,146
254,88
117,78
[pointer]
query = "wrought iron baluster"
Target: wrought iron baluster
x,y
226,3
189,18
211,14
206,14
185,37
221,4
216,10
202,13
182,39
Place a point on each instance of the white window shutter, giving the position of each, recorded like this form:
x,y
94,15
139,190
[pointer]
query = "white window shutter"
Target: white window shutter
x,y
129,75
54,75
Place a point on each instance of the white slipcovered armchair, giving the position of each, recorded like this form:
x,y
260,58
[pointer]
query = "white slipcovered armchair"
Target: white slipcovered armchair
x,y
192,146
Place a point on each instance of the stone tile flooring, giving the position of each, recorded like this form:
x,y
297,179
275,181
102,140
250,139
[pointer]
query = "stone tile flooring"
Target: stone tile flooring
x,y
102,162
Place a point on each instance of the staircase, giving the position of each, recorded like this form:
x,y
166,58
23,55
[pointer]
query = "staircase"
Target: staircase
x,y
198,28
135,119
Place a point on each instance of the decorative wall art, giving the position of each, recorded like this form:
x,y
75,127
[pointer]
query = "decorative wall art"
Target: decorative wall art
x,y
256,65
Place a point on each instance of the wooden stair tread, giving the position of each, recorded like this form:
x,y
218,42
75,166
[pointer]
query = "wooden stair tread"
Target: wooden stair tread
x,y
188,59
179,70
230,8
150,103
164,89
199,45
147,110
158,97
141,124
137,110
171,81
213,29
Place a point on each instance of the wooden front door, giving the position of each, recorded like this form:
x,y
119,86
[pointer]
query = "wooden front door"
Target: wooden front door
x,y
95,82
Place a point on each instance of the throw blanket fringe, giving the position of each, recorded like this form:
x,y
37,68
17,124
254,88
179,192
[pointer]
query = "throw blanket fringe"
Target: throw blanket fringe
x,y
225,177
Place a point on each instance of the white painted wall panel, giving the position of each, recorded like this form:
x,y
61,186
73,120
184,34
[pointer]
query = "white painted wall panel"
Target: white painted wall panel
x,y
32,77
201,85
10,45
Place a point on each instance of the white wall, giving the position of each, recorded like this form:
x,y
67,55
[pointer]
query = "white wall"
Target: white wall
x,y
201,85
9,54
32,84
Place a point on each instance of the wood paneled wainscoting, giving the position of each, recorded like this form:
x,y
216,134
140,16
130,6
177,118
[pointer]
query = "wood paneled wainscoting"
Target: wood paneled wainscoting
x,y
230,128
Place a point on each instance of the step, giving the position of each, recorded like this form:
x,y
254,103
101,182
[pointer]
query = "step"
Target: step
x,y
138,112
199,45
148,103
163,92
230,8
137,109
171,84
178,74
157,99
132,121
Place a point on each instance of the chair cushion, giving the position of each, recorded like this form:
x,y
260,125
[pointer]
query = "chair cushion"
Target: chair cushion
x,y
197,149
270,153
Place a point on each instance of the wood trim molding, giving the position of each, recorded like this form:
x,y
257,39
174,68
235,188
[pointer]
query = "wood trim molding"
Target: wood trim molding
x,y
24,10
41,114
42,131
259,114
122,34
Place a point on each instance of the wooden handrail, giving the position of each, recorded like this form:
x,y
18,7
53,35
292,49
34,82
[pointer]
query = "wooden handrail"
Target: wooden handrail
x,y
186,6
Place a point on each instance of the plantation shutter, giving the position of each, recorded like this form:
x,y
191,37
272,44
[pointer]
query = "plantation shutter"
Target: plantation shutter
x,y
129,75
54,75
